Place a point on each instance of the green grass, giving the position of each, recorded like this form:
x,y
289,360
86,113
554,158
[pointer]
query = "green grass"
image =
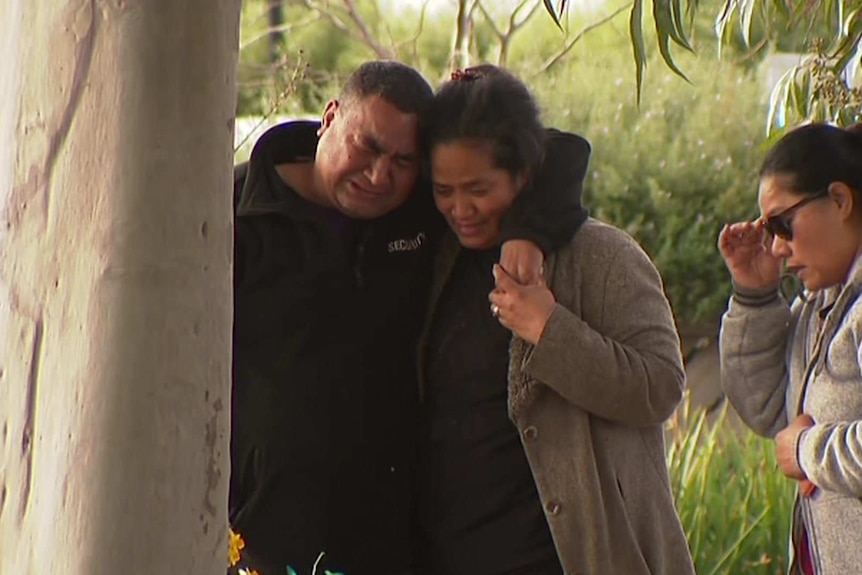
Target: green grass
x,y
733,502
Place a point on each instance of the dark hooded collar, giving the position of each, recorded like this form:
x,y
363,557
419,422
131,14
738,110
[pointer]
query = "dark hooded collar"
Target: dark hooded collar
x,y
264,191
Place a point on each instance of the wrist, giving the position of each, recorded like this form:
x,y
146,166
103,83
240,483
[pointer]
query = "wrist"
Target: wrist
x,y
797,451
542,325
755,296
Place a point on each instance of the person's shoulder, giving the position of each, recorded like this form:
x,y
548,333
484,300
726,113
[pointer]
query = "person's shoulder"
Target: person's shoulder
x,y
286,142
598,249
570,142
601,238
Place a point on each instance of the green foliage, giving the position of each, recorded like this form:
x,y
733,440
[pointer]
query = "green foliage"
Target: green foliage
x,y
671,172
734,504
821,88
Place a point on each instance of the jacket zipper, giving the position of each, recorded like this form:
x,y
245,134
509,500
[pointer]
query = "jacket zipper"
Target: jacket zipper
x,y
357,263
358,256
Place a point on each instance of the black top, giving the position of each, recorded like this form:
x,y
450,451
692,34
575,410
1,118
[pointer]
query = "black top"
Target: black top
x,y
479,511
326,317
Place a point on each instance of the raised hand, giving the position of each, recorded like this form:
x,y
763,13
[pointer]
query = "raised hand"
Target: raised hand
x,y
523,309
747,255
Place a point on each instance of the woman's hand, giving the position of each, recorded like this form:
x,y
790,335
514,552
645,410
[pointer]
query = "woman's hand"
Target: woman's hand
x,y
524,260
524,309
786,442
748,257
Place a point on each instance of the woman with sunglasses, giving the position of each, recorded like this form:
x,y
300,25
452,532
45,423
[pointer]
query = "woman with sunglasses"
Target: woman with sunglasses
x,y
793,370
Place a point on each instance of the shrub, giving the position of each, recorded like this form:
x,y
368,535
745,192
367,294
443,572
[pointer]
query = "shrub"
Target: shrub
x,y
734,504
672,172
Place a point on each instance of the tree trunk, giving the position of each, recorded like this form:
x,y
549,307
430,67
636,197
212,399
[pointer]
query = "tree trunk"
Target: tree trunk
x,y
275,15
460,57
116,120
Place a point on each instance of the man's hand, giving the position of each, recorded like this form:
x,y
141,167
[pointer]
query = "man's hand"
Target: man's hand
x,y
786,442
524,309
523,260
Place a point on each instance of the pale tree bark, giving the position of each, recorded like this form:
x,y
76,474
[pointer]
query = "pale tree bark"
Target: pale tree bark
x,y
115,159
515,23
460,57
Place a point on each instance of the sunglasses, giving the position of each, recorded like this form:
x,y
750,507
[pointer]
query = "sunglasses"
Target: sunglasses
x,y
781,224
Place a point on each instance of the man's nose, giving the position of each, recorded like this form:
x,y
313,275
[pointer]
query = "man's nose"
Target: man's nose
x,y
380,171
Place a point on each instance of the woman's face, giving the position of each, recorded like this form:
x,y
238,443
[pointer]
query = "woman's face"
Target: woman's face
x,y
825,233
471,192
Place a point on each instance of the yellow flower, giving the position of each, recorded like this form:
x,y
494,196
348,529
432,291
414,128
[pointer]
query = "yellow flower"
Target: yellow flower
x,y
235,545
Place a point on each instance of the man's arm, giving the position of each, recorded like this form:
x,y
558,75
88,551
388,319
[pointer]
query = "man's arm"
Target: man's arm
x,y
550,210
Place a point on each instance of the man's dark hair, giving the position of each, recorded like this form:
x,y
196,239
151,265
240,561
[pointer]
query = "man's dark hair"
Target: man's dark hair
x,y
488,104
816,155
397,83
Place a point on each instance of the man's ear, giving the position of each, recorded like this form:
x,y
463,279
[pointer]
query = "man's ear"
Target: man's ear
x,y
843,196
328,116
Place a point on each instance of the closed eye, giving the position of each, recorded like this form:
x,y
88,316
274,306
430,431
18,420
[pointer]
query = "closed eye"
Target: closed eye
x,y
404,161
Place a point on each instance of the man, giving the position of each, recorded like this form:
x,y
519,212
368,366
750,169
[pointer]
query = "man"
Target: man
x,y
332,258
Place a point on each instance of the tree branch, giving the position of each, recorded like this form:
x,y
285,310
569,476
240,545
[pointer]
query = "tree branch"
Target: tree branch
x,y
364,35
571,43
514,25
413,42
497,32
282,28
457,58
365,31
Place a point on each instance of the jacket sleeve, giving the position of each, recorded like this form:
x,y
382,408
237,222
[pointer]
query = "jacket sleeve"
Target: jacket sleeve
x,y
628,368
831,456
753,344
550,210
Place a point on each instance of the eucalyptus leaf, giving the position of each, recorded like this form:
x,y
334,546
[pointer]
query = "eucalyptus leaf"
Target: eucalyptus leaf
x,y
724,19
638,45
746,16
549,6
665,23
664,50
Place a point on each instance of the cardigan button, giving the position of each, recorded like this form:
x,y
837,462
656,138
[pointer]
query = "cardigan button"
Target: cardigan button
x,y
531,433
553,508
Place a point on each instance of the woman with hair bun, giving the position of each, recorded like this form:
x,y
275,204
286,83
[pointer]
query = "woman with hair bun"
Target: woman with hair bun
x,y
793,369
542,450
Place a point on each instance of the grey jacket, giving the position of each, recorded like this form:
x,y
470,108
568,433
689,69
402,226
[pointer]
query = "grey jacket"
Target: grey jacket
x,y
590,400
779,361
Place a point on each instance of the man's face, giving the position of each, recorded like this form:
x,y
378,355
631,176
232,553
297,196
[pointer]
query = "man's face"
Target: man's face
x,y
368,156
